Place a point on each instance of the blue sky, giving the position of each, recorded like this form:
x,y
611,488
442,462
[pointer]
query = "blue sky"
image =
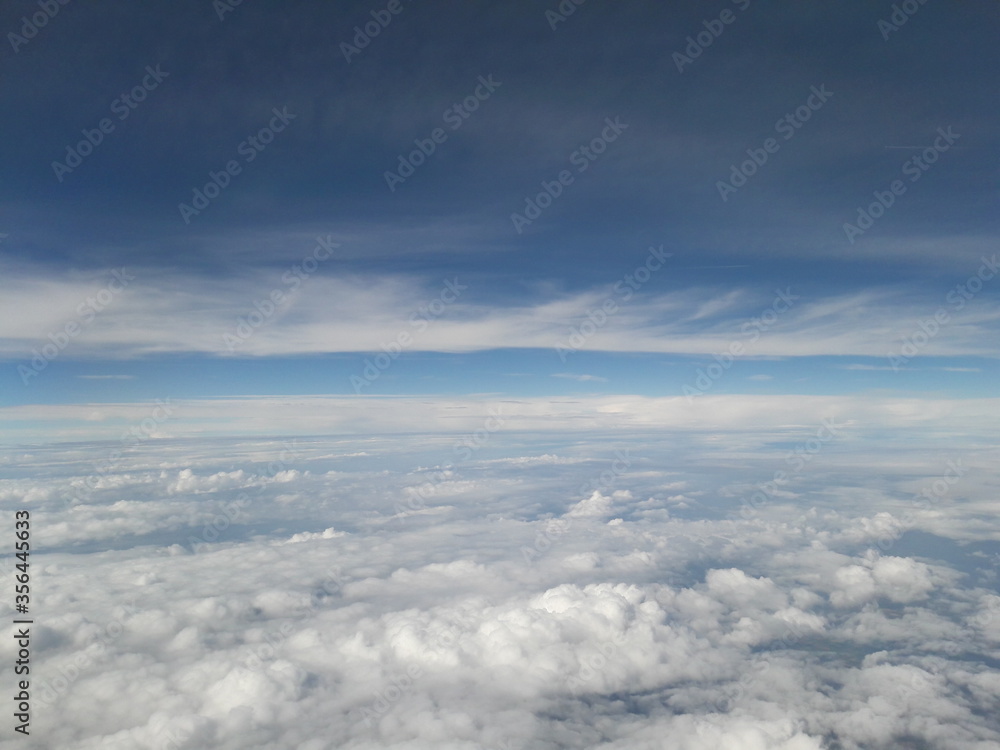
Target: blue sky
x,y
606,371
684,192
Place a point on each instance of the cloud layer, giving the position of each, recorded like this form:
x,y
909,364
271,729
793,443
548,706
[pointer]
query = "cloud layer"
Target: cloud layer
x,y
266,316
518,590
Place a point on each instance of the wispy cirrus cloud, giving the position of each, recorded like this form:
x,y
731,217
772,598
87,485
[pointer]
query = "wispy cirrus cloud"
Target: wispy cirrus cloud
x,y
325,313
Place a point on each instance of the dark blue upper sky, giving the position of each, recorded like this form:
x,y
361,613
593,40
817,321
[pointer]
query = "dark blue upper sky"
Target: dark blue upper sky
x,y
742,158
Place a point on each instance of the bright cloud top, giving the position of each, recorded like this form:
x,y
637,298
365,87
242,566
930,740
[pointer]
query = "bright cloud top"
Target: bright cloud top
x,y
304,593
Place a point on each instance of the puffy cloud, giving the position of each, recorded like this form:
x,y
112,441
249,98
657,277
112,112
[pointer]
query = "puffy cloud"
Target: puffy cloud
x,y
188,482
598,505
244,607
899,579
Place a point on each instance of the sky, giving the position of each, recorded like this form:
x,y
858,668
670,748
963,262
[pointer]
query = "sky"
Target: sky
x,y
335,239
503,375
